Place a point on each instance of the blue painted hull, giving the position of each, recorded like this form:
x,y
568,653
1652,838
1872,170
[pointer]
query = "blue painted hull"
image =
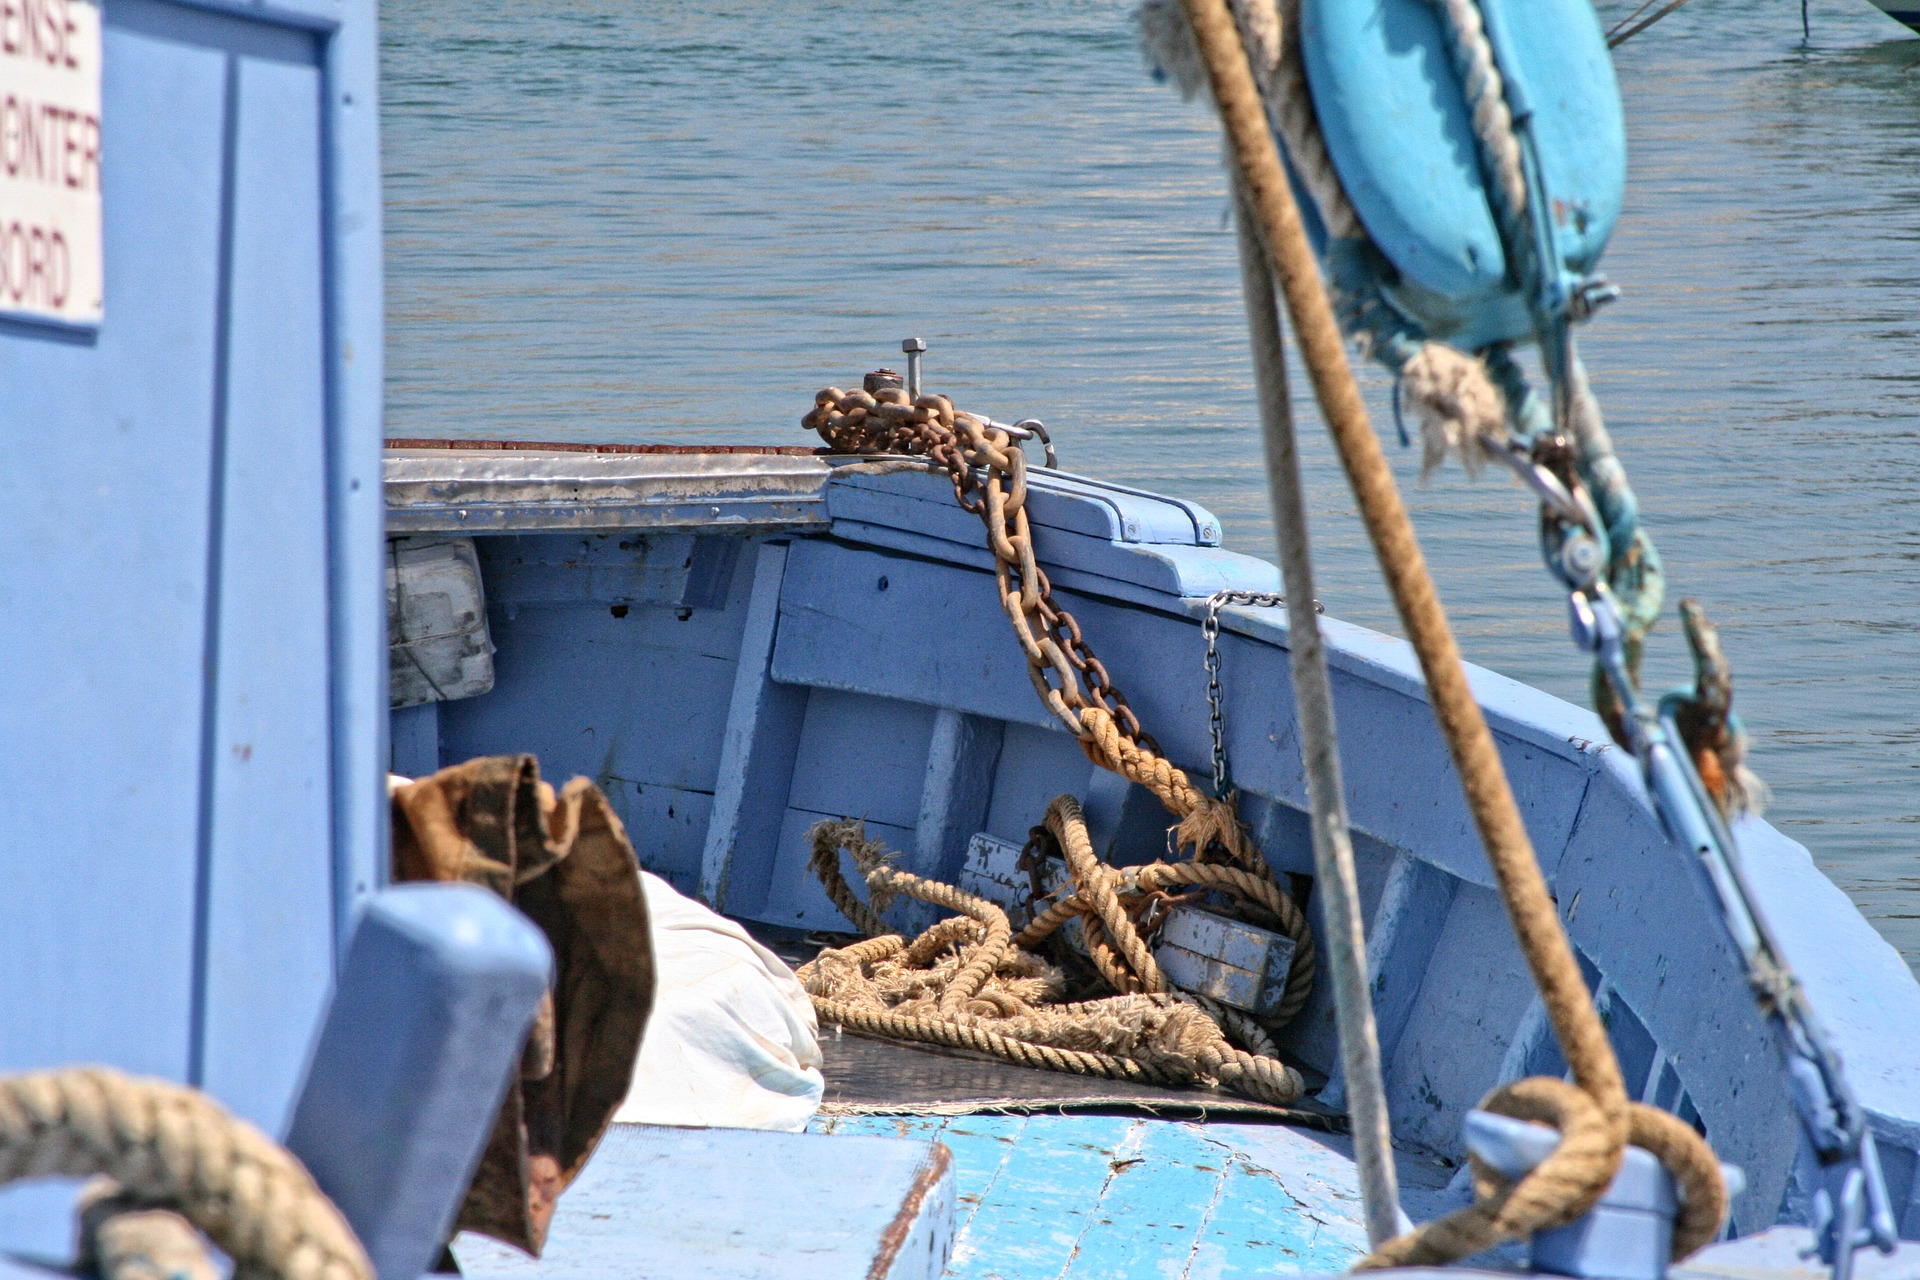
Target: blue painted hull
x,y
736,648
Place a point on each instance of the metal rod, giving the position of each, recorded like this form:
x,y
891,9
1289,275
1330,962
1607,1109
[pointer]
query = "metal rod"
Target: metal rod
x,y
913,347
1337,886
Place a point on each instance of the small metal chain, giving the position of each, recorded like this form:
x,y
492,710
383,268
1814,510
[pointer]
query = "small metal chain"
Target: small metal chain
x,y
1216,716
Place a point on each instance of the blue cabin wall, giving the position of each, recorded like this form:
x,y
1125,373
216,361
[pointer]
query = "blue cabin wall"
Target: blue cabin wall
x,y
191,615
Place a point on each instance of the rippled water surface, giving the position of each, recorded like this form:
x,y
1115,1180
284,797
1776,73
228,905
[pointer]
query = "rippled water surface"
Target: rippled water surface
x,y
630,221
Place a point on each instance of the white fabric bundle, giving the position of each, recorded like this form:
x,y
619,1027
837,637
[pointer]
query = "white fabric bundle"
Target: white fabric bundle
x,y
732,1042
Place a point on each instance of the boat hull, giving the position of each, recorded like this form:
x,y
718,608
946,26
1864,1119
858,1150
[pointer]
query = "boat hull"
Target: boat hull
x,y
736,651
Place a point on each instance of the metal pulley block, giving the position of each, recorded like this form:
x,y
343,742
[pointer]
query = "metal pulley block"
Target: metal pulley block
x,y
1399,122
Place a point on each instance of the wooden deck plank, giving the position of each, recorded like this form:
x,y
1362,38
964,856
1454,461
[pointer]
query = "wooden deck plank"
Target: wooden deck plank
x,y
679,1204
1290,1204
1165,1181
1030,1221
981,1146
1257,1228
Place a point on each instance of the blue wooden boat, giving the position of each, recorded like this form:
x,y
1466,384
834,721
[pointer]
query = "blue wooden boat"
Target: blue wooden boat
x,y
733,644
738,645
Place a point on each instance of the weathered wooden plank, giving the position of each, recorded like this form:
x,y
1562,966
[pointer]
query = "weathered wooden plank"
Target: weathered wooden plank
x,y
1632,906
1042,1201
1290,1204
602,695
863,757
1036,764
668,827
981,1146
1253,1228
1141,574
955,791
672,1204
489,490
1165,1180
413,740
756,751
1472,996
1057,503
1406,928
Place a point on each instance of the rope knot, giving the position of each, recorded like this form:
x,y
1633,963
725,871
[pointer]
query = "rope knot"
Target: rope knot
x,y
1458,407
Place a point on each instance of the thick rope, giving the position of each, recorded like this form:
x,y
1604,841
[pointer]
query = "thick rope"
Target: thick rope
x,y
170,1147
967,983
1594,1117
984,462
119,1241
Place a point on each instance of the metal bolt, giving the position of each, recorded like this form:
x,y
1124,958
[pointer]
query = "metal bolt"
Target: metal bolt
x,y
1580,558
913,347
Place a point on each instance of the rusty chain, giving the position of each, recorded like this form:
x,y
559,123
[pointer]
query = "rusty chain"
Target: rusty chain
x,y
988,469
984,461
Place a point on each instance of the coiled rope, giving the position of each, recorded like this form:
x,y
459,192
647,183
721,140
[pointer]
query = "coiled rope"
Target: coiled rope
x,y
167,1147
969,983
1593,1114
988,470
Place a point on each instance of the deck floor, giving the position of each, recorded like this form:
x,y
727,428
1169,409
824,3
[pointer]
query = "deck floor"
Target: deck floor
x,y
1087,1197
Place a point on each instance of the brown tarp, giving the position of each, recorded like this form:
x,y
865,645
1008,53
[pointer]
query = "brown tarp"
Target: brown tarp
x,y
566,863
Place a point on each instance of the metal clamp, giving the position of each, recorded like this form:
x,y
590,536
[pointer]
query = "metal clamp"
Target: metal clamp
x,y
1852,1209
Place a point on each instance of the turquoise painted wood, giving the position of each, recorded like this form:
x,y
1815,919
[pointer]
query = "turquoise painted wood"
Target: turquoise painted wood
x,y
1400,136
1126,1198
865,669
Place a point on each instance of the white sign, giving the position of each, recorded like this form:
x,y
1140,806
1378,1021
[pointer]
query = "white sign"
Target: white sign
x,y
50,259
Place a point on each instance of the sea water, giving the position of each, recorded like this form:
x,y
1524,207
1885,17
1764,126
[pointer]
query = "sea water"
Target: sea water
x,y
637,221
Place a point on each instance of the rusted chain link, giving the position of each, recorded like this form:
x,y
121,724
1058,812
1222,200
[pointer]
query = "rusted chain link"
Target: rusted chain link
x,y
989,475
968,983
988,470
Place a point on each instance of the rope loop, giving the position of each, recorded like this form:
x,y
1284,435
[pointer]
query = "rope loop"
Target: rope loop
x,y
168,1147
970,983
984,461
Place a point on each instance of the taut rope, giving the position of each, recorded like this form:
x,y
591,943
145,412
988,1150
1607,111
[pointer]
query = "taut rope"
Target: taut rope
x,y
1595,1117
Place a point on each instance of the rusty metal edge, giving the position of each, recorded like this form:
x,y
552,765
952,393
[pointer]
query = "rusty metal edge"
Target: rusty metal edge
x,y
939,1162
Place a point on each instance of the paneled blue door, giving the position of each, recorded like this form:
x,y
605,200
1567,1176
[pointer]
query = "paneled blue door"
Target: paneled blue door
x,y
192,683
